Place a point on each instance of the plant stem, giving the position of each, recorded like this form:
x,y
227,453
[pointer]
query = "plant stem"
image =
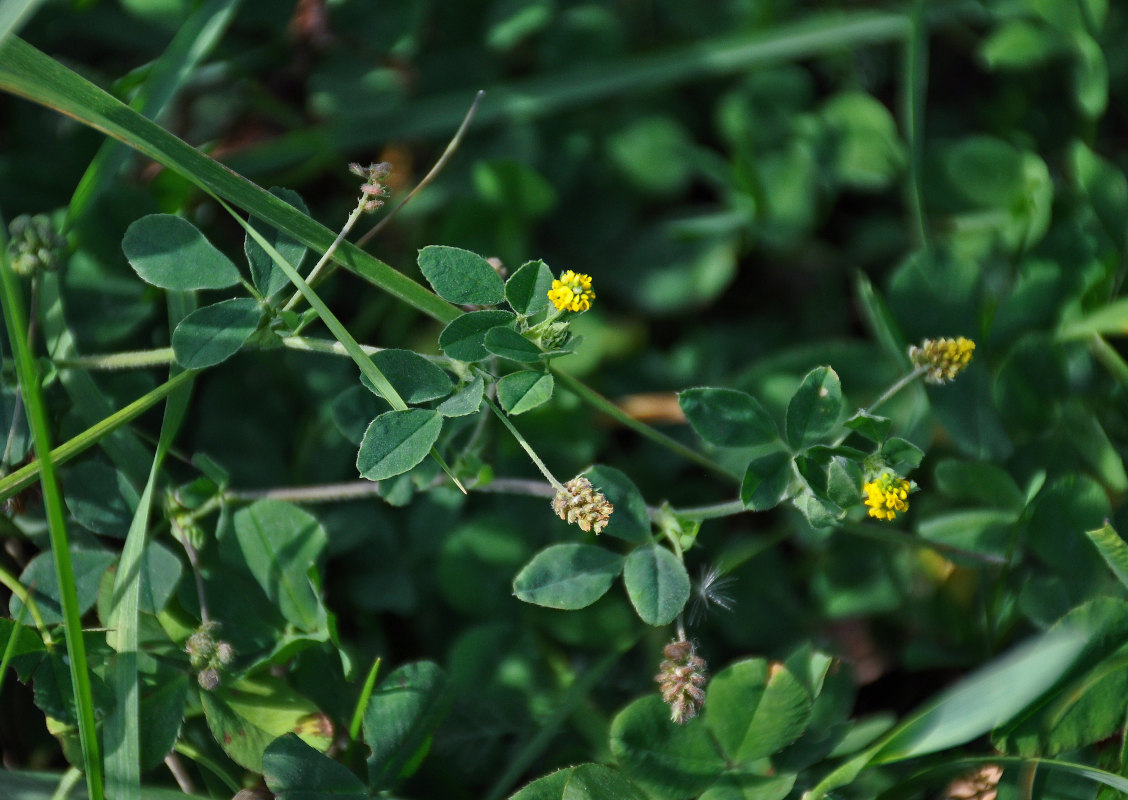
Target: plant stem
x,y
600,402
525,446
431,175
325,493
13,585
896,387
715,511
315,273
915,88
134,359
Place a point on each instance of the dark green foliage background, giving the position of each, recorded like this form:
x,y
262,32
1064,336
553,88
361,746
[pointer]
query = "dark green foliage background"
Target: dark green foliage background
x,y
743,224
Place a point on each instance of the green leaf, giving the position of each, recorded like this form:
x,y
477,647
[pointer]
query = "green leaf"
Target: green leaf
x,y
161,571
267,277
414,378
979,482
669,761
1106,188
461,277
986,698
871,426
519,392
567,576
1112,549
353,411
814,408
727,417
766,481
170,252
281,544
581,782
630,520
507,343
295,771
866,151
400,719
164,691
527,288
100,497
750,786
396,441
755,709
657,584
467,400
40,576
212,334
1109,319
465,337
901,456
246,717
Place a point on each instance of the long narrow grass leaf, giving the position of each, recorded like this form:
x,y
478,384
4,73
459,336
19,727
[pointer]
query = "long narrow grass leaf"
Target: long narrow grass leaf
x,y
194,39
15,319
26,475
362,700
13,13
123,762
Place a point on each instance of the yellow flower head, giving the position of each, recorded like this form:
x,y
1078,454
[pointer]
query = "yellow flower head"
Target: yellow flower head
x,y
943,359
571,292
887,496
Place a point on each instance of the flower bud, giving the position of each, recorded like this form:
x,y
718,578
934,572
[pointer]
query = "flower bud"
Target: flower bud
x,y
34,245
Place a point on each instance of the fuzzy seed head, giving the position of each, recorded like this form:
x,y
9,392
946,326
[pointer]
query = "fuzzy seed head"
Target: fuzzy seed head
x,y
681,679
34,245
582,504
943,359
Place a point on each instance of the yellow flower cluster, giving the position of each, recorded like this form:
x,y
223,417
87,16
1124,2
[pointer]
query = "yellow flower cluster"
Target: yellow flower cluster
x,y
943,359
887,496
571,292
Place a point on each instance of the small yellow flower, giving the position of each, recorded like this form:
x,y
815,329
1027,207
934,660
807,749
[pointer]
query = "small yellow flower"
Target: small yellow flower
x,y
943,359
887,496
572,292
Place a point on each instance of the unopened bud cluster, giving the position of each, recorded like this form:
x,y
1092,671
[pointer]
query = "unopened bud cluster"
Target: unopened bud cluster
x,y
581,504
373,187
34,245
681,678
208,655
942,359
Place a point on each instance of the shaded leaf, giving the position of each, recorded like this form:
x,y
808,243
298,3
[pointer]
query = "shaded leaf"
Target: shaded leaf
x,y
567,576
170,252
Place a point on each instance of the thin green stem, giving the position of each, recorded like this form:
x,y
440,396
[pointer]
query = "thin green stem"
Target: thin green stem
x,y
135,359
715,511
915,88
1112,360
431,175
191,752
25,476
315,273
10,647
26,367
362,700
596,400
13,585
69,780
325,493
525,446
896,387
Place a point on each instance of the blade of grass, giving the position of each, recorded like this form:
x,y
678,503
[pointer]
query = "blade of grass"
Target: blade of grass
x,y
339,331
362,700
26,72
194,39
122,726
13,13
25,476
15,318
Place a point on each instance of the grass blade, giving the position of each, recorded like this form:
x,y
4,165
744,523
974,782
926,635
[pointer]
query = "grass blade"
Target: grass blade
x,y
13,13
122,726
192,42
15,318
